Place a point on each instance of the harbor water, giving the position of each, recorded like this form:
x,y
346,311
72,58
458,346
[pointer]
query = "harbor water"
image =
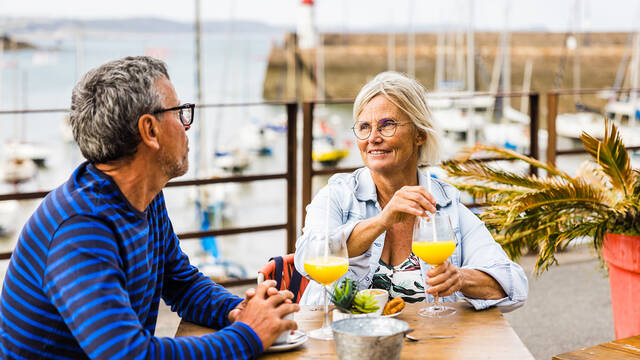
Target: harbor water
x,y
234,67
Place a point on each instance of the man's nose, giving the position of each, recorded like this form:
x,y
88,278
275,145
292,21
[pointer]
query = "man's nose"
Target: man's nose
x,y
187,127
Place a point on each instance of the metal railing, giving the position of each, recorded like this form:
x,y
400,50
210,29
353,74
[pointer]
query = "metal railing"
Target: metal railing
x,y
552,114
289,176
308,172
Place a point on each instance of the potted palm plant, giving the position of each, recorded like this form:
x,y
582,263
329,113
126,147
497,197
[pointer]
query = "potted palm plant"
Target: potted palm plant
x,y
545,213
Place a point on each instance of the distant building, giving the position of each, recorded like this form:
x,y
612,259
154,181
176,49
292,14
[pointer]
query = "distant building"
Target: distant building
x,y
307,36
8,43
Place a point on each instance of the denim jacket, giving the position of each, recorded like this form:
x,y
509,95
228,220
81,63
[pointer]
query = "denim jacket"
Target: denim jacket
x,y
353,198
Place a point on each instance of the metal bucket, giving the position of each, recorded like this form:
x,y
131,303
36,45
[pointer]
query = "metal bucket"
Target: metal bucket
x,y
369,338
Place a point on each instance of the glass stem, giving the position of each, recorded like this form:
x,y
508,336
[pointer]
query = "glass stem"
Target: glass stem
x,y
325,321
436,303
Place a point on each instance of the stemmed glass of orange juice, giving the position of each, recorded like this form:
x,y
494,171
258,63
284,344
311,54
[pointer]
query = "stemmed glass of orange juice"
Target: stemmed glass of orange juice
x,y
434,242
325,260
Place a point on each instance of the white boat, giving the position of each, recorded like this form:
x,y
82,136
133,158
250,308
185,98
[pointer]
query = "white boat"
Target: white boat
x,y
17,170
623,113
234,162
572,125
8,216
511,136
327,152
457,120
25,150
328,148
258,139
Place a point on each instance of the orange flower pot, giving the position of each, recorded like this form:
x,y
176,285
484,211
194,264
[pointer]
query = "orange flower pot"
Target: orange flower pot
x,y
622,253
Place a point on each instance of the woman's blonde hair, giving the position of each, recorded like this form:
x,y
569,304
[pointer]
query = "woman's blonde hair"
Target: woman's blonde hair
x,y
410,97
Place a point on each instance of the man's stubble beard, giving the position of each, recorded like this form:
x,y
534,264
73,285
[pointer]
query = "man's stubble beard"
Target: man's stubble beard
x,y
172,168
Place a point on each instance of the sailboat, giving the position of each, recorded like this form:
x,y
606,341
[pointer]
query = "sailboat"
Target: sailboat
x,y
211,200
328,149
16,170
21,159
8,212
624,113
627,112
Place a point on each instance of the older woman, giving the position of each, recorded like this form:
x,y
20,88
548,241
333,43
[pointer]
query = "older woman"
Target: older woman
x,y
375,207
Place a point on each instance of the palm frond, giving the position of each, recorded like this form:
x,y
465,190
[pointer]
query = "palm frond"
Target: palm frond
x,y
636,186
484,173
550,239
526,212
611,154
556,197
489,193
465,154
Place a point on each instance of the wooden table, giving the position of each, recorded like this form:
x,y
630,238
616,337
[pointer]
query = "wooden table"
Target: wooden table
x,y
478,335
628,348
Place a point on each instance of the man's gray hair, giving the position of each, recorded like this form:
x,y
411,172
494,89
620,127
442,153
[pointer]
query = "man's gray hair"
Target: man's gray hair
x,y
107,103
410,97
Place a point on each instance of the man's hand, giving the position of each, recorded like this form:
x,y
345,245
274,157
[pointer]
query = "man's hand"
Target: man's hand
x,y
233,314
263,310
444,279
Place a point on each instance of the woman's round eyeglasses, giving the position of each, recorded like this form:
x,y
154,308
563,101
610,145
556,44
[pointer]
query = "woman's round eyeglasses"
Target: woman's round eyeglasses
x,y
386,128
186,113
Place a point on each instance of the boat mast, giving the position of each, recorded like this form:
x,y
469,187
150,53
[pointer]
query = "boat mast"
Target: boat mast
x,y
576,51
440,59
1,63
635,63
391,43
506,65
411,42
79,50
201,154
471,84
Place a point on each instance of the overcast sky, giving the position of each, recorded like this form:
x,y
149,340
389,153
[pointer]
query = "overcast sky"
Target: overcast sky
x,y
555,15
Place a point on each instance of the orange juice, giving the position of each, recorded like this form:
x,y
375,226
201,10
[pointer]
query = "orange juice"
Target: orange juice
x,y
326,271
433,253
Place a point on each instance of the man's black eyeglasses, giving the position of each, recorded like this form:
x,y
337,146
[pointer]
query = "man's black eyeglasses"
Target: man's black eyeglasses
x,y
186,113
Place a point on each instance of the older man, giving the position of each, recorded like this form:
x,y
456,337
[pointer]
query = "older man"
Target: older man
x,y
93,261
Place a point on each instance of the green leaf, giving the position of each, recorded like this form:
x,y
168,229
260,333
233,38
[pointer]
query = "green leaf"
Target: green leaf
x,y
611,154
525,212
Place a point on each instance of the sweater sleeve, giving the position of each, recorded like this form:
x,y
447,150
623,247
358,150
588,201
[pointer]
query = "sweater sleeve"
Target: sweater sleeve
x,y
192,295
85,280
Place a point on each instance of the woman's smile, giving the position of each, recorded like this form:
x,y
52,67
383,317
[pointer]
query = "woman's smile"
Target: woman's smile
x,y
391,153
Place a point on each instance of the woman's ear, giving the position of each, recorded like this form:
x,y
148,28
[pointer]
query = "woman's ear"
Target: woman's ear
x,y
421,137
148,128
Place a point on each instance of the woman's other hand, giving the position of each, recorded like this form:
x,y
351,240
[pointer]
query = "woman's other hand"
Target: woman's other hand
x,y
406,202
444,279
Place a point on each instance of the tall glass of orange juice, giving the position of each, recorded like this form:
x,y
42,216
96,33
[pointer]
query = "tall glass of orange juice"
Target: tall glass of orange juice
x,y
325,260
434,242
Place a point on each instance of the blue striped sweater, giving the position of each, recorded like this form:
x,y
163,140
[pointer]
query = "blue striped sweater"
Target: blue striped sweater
x,y
86,278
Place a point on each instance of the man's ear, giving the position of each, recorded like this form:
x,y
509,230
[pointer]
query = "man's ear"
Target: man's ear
x,y
148,128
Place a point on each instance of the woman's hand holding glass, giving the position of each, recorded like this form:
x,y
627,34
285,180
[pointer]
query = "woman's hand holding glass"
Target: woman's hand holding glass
x,y
445,279
434,242
407,202
325,260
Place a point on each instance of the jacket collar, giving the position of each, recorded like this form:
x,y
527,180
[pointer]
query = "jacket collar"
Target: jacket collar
x,y
365,189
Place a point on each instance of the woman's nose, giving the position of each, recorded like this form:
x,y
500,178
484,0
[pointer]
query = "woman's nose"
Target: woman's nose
x,y
375,136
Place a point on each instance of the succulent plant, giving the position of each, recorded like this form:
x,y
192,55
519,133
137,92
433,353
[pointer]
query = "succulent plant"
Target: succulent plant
x,y
364,303
347,298
344,294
